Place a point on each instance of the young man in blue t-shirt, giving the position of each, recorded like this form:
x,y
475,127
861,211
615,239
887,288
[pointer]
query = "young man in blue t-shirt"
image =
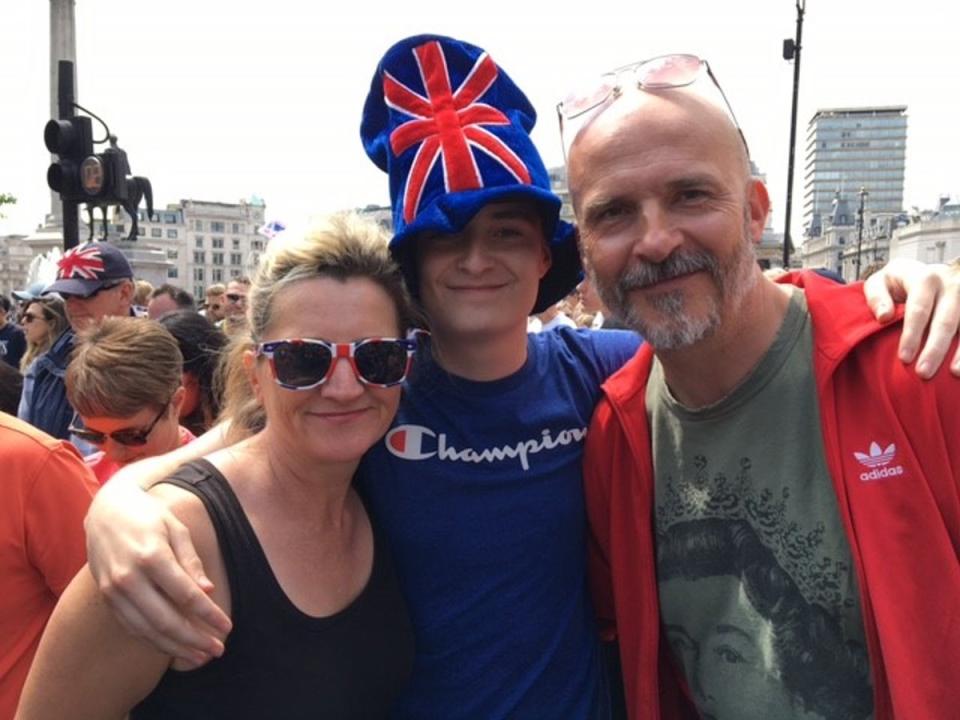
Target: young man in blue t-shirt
x,y
478,483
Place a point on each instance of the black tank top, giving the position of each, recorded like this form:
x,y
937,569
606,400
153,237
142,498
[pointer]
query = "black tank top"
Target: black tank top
x,y
278,661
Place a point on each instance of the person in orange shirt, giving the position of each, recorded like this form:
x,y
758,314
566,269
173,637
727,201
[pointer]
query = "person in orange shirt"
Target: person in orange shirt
x,y
124,380
44,494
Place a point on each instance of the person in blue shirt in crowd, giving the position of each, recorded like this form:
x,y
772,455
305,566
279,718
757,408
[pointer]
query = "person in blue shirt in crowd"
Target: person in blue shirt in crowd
x,y
477,484
13,342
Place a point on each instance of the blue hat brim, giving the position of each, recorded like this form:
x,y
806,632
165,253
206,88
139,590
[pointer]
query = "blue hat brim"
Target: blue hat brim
x,y
451,213
34,291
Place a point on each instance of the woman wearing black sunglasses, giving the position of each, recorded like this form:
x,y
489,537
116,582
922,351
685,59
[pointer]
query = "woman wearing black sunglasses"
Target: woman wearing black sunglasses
x,y
319,626
124,381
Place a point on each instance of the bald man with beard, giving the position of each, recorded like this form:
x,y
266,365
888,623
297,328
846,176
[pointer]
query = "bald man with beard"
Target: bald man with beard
x,y
781,406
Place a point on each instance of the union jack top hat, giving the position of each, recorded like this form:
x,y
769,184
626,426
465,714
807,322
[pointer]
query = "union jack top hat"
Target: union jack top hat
x,y
452,130
85,269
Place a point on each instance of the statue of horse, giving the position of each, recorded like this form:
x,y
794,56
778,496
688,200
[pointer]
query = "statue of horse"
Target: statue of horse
x,y
138,188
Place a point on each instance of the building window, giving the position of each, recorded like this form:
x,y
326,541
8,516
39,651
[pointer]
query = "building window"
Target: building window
x,y
216,227
171,233
235,243
216,243
170,218
256,245
198,291
141,230
198,257
156,232
237,229
236,259
218,258
217,275
172,254
234,272
198,224
198,275
198,242
172,273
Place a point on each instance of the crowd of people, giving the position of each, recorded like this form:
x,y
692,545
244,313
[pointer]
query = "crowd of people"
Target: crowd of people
x,y
441,474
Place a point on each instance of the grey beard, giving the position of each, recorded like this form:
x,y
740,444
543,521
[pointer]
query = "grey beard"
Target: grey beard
x,y
678,329
681,330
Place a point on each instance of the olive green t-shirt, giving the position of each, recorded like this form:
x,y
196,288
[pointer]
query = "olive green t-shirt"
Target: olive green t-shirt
x,y
758,594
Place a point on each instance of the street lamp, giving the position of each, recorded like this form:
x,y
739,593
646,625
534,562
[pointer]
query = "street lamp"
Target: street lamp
x,y
791,51
863,196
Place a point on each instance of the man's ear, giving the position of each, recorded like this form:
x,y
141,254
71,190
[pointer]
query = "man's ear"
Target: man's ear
x,y
176,402
546,258
758,207
127,291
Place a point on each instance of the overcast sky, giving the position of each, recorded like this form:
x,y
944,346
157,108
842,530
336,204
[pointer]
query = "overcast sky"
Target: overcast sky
x,y
216,100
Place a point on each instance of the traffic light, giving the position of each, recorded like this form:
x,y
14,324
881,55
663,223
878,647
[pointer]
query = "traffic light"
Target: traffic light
x,y
71,140
80,174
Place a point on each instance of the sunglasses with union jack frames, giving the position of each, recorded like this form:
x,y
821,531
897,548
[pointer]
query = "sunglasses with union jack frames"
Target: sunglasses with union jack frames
x,y
306,363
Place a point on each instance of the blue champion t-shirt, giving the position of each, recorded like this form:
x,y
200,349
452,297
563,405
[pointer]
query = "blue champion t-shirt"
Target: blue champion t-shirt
x,y
478,487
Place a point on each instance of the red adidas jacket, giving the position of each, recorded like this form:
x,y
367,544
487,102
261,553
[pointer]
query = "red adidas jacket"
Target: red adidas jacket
x,y
903,527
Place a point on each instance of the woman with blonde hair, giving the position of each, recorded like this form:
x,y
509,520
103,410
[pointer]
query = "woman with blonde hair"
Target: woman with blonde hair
x,y
319,626
43,320
141,295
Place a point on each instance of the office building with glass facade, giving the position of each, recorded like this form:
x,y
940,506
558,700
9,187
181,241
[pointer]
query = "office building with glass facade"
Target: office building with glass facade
x,y
850,148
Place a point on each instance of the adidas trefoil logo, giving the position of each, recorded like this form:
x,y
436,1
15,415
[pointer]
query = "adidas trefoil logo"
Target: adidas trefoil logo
x,y
877,457
879,461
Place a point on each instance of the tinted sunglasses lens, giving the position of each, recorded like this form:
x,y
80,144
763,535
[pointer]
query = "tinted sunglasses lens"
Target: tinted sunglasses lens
x,y
669,71
94,438
130,437
301,364
381,362
587,97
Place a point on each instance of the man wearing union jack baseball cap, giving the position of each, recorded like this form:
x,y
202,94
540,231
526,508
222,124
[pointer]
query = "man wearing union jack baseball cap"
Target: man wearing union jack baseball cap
x,y
89,268
95,281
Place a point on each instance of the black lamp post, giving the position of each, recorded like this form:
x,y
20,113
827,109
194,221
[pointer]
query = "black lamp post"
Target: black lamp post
x,y
863,196
791,51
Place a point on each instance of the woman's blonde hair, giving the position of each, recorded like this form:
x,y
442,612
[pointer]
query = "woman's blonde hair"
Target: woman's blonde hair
x,y
341,246
141,292
55,315
122,365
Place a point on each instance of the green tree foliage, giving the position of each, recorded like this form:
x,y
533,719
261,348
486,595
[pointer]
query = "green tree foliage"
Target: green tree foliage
x,y
6,199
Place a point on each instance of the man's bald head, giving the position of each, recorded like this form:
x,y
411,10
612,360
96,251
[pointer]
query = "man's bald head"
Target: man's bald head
x,y
668,213
664,118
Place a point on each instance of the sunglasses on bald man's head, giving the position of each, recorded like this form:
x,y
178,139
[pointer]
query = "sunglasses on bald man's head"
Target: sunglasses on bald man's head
x,y
659,73
303,364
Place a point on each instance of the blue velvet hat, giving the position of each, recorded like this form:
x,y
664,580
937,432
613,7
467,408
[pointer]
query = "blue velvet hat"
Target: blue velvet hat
x,y
452,130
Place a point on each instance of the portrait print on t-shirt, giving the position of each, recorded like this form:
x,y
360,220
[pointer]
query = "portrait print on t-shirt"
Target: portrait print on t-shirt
x,y
753,604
